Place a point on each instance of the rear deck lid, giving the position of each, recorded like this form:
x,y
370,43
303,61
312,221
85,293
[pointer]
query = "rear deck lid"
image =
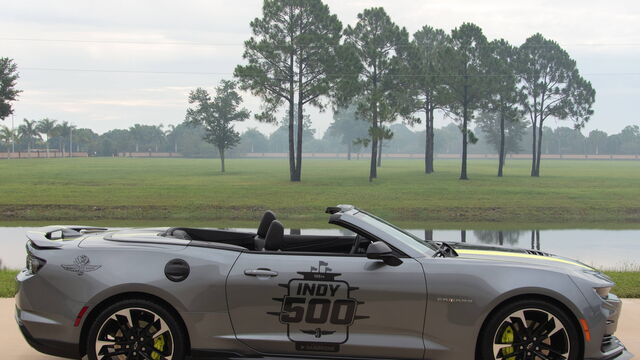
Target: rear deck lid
x,y
55,236
151,236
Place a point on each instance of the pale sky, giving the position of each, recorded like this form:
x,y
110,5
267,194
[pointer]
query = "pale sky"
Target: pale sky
x,y
111,64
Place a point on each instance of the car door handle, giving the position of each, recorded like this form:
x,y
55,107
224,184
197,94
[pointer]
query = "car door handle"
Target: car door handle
x,y
260,273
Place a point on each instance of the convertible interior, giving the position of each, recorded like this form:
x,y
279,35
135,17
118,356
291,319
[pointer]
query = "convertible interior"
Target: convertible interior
x,y
270,236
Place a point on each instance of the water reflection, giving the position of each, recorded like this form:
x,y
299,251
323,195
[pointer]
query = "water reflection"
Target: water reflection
x,y
606,249
489,237
494,237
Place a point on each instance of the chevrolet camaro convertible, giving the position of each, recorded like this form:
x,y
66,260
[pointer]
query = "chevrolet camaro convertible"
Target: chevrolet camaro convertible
x,y
378,292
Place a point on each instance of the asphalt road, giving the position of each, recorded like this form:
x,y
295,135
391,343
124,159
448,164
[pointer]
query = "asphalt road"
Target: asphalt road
x,y
14,347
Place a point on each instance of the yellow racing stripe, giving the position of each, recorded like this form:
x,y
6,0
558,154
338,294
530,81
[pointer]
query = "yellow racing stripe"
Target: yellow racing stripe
x,y
514,254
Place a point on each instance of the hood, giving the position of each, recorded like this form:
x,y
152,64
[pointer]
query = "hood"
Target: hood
x,y
526,256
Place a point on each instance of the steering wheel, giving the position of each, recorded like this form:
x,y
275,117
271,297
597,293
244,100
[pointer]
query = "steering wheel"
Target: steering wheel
x,y
356,244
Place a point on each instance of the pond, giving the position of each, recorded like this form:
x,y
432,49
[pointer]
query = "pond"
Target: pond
x,y
603,249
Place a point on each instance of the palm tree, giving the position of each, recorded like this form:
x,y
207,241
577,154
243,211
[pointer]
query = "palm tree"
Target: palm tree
x,y
64,131
171,135
28,131
137,132
7,136
47,127
159,136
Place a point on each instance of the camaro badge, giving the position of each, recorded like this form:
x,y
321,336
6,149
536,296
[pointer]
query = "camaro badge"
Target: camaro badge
x,y
452,300
318,309
81,265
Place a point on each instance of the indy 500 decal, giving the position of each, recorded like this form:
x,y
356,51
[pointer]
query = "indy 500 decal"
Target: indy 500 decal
x,y
318,309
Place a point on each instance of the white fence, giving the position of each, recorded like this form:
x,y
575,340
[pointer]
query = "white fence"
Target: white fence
x,y
57,154
40,154
443,156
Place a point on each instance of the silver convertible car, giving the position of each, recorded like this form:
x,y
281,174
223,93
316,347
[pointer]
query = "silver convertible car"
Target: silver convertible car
x,y
376,292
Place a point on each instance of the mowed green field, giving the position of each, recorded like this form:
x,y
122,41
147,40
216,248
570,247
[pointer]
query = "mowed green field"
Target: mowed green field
x,y
124,191
7,283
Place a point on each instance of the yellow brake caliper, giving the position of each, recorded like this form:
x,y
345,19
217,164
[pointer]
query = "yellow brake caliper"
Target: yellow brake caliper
x,y
507,338
158,344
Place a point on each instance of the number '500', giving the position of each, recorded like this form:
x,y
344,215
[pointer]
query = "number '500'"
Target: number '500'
x,y
318,310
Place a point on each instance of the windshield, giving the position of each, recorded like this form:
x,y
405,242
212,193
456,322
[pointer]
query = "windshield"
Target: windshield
x,y
400,234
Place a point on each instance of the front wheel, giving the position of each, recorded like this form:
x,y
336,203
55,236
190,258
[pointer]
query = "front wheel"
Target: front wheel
x,y
530,330
135,329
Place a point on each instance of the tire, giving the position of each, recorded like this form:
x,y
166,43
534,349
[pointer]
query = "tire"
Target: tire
x,y
503,338
136,329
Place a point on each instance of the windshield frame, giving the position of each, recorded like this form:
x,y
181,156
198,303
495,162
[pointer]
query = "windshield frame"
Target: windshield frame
x,y
407,237
394,236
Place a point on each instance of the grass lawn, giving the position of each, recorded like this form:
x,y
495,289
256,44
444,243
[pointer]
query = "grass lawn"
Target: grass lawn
x,y
122,191
7,283
627,283
174,192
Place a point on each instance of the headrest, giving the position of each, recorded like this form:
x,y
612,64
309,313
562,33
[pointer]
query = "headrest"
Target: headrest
x,y
273,240
267,218
180,234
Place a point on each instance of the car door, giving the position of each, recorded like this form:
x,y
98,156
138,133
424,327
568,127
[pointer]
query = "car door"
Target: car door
x,y
327,305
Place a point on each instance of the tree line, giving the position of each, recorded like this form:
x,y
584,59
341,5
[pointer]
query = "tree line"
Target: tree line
x,y
300,56
341,136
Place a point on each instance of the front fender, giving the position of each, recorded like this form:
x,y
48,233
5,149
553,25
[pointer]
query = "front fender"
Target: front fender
x,y
462,293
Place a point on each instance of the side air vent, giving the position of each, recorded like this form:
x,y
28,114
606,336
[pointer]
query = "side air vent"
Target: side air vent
x,y
607,340
610,345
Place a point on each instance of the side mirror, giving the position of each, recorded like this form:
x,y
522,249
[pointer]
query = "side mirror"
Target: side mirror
x,y
380,251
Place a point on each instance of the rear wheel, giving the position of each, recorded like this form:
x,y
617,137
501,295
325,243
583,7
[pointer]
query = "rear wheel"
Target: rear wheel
x,y
530,330
135,329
